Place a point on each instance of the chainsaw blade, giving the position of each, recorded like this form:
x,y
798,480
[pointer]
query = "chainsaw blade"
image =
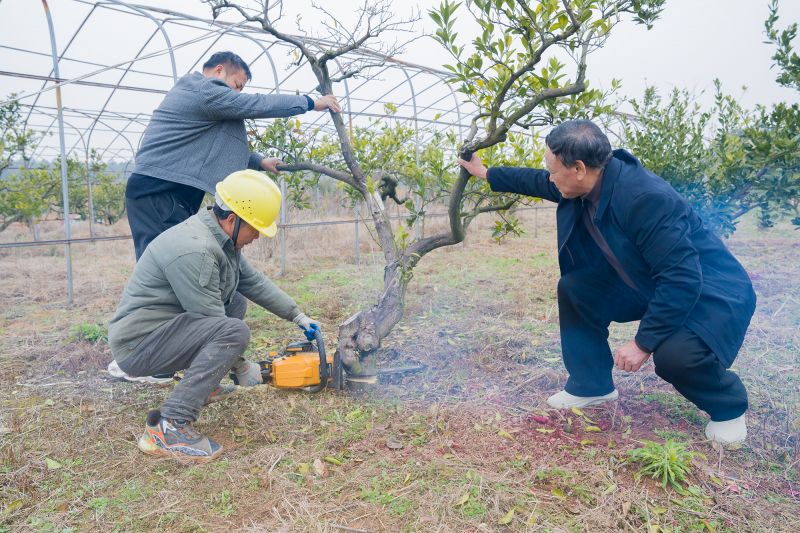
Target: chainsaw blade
x,y
383,373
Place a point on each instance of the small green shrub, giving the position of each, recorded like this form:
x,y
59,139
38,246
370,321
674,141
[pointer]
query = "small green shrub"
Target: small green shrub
x,y
92,333
670,462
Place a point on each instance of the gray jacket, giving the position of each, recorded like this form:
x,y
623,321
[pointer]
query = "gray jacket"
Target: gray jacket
x,y
197,136
191,267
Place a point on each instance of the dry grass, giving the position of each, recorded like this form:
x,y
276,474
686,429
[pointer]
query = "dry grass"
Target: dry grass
x,y
482,317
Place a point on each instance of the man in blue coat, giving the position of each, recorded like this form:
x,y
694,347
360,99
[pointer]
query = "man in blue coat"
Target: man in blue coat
x,y
630,248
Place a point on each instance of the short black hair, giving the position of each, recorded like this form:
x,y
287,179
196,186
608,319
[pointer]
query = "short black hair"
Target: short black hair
x,y
228,58
579,140
221,213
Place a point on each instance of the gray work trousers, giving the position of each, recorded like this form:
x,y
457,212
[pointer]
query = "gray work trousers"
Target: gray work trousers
x,y
206,348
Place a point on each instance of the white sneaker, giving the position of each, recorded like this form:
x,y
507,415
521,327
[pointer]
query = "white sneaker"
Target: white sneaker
x,y
117,373
565,400
727,432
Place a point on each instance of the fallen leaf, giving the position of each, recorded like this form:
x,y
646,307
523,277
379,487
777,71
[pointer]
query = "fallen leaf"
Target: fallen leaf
x,y
734,488
52,464
695,491
608,490
319,468
463,499
332,460
586,442
577,411
653,528
505,434
543,430
532,519
709,526
558,493
592,429
394,444
303,468
626,508
540,419
507,518
715,480
407,478
13,506
659,510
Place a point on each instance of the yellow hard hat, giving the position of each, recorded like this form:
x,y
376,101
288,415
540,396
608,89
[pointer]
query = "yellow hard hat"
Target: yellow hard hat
x,y
253,197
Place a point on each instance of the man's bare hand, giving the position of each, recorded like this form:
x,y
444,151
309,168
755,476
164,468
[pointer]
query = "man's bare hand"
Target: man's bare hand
x,y
474,166
270,164
327,102
630,357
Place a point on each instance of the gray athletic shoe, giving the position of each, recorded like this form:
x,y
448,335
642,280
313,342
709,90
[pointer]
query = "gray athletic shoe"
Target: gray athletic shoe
x,y
177,439
117,373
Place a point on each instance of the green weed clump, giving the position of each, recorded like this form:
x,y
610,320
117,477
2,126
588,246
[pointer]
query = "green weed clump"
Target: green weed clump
x,y
676,407
92,333
670,462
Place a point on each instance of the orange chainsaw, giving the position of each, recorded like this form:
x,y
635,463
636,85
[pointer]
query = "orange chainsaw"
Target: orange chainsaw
x,y
302,365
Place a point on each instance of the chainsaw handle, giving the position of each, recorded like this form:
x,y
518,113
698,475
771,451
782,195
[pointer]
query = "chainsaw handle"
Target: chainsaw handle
x,y
323,362
311,332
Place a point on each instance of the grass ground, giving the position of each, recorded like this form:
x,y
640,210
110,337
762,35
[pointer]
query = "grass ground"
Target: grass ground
x,y
467,445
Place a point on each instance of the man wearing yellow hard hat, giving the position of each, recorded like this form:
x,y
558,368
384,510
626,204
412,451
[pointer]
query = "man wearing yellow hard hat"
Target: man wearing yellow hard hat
x,y
183,307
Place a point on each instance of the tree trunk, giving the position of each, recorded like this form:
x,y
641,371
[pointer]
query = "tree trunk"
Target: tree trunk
x,y
360,335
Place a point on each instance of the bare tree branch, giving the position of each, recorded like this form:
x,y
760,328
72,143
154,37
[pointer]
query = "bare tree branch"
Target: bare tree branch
x,y
321,169
492,208
217,6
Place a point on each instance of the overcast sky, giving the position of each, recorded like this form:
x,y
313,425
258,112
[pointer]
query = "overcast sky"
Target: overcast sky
x,y
694,42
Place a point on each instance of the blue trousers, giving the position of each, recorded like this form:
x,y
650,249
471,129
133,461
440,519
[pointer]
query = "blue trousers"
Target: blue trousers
x,y
590,299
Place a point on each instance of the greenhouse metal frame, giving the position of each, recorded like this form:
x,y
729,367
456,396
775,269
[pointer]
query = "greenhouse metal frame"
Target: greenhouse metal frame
x,y
95,97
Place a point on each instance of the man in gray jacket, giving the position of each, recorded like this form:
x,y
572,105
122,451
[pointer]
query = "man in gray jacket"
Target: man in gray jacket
x,y
183,307
195,138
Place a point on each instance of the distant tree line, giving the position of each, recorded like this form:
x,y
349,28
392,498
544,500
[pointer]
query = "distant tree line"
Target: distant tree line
x,y
30,191
727,160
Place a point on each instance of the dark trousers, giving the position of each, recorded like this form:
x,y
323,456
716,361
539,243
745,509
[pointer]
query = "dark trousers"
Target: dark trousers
x,y
205,347
590,299
149,216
